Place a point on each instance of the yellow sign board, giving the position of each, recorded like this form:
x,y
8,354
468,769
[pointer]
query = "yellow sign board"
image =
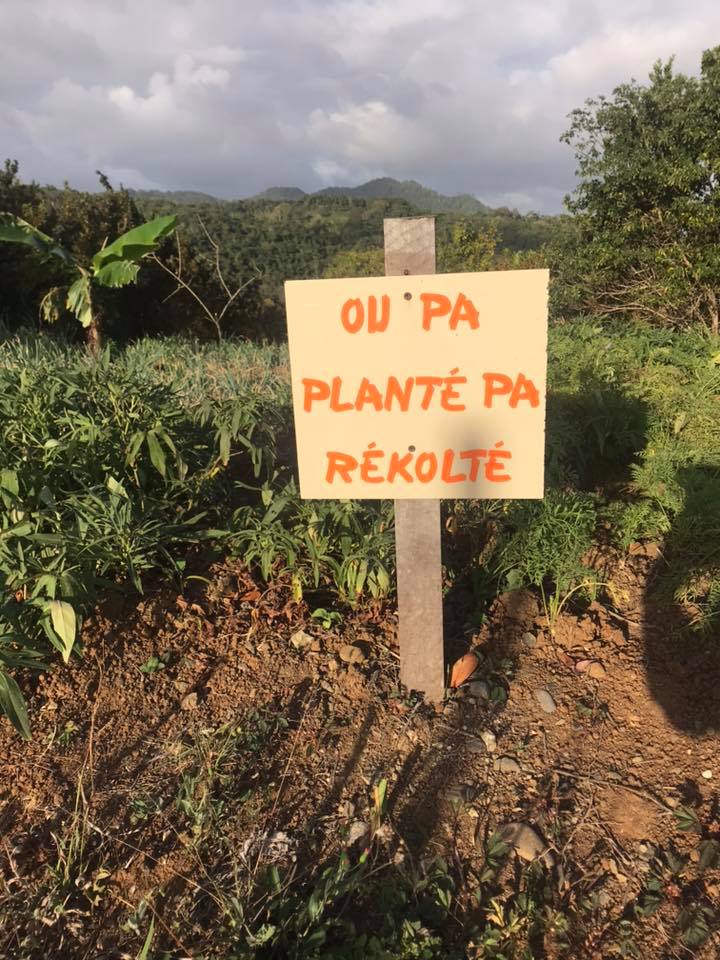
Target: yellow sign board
x,y
420,387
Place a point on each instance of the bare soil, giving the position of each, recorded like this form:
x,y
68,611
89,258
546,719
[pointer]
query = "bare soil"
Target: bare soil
x,y
632,741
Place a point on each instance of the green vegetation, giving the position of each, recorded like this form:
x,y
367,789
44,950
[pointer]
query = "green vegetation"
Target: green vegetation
x,y
118,466
647,209
260,242
114,266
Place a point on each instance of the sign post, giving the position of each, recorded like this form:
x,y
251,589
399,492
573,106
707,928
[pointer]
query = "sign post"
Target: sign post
x,y
415,387
410,249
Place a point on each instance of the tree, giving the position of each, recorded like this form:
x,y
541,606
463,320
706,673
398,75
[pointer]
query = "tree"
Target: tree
x,y
356,263
468,248
115,265
648,200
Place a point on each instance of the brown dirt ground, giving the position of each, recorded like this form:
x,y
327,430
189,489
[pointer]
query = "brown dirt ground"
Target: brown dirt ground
x,y
634,730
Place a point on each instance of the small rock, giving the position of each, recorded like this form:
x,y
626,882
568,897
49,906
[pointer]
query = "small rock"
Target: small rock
x,y
460,793
637,760
596,670
489,739
545,700
707,774
507,765
351,654
189,702
452,712
269,847
479,690
529,640
332,665
646,852
358,831
300,640
528,843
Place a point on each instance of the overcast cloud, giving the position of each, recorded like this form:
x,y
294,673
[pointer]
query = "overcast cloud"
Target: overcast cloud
x,y
230,97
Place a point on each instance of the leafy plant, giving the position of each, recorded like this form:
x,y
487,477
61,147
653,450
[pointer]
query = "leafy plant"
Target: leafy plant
x,y
546,547
115,265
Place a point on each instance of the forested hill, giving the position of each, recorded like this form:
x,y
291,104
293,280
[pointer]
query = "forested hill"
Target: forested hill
x,y
261,240
310,236
422,198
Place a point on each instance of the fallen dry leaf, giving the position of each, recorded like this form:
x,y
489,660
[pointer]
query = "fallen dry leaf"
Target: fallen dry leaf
x,y
463,668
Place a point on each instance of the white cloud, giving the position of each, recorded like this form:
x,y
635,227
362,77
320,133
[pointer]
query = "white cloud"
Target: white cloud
x,y
460,94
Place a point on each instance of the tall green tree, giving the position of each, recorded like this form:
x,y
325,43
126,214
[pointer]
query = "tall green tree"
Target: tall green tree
x,y
648,199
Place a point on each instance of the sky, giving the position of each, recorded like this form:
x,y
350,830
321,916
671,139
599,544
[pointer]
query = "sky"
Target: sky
x,y
231,96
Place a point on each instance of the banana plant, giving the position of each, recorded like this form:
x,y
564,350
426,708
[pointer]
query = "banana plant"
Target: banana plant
x,y
115,265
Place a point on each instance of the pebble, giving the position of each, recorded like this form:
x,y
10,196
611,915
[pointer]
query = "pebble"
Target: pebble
x,y
351,654
529,640
358,830
707,774
489,739
189,702
545,700
479,690
460,792
528,843
597,671
300,640
507,765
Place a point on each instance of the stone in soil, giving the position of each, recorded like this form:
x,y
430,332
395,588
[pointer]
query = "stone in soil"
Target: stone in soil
x,y
358,831
460,792
507,765
300,640
351,654
547,704
189,702
526,841
489,739
479,690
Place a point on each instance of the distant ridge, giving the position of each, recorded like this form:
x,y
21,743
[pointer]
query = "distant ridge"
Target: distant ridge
x,y
175,196
278,194
387,188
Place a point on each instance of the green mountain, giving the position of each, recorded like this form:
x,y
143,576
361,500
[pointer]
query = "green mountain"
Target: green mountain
x,y
280,194
425,199
387,188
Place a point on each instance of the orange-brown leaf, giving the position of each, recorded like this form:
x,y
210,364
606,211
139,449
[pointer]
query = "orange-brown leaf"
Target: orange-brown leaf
x,y
463,668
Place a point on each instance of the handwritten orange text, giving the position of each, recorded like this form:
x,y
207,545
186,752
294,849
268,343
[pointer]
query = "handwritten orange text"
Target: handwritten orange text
x,y
450,466
393,394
